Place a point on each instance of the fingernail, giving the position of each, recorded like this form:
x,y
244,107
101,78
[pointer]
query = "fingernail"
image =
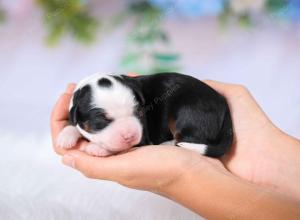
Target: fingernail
x,y
70,88
69,160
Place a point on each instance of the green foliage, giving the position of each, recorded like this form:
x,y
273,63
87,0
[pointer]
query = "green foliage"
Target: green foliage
x,y
276,5
130,60
165,62
68,16
2,15
142,55
224,16
245,20
147,23
71,17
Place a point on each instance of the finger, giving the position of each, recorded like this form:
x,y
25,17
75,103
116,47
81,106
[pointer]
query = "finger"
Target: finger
x,y
59,116
222,88
70,88
228,90
132,74
107,168
60,111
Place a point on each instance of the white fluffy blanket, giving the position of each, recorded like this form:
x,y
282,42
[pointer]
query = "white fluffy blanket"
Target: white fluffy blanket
x,y
35,185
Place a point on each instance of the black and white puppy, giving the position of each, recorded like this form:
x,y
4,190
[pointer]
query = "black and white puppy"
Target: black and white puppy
x,y
117,112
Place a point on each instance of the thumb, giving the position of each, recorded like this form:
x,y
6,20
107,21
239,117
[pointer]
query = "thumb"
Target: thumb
x,y
107,168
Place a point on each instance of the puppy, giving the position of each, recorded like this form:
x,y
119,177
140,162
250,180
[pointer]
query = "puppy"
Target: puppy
x,y
117,112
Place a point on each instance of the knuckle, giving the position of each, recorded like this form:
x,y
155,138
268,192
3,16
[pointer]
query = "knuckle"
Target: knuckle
x,y
240,89
89,174
208,81
58,150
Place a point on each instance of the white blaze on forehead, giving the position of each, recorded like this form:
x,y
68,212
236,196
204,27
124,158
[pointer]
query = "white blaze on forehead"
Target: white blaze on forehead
x,y
117,100
90,79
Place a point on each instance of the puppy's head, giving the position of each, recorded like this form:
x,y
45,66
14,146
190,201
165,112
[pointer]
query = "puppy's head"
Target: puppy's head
x,y
105,109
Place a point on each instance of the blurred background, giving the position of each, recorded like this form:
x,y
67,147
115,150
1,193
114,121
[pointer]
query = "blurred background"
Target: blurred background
x,y
45,44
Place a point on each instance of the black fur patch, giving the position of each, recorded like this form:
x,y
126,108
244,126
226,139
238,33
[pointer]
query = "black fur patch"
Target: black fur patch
x,y
200,114
104,82
95,120
84,114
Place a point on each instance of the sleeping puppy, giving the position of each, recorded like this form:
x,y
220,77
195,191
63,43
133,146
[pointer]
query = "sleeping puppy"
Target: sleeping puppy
x,y
117,112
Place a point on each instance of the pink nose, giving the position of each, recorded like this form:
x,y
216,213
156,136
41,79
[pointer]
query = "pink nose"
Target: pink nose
x,y
129,137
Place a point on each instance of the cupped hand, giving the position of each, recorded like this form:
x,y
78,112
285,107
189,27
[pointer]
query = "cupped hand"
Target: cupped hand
x,y
149,168
261,152
253,132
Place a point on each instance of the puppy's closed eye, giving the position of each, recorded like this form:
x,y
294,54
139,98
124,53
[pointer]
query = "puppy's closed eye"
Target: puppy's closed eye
x,y
96,121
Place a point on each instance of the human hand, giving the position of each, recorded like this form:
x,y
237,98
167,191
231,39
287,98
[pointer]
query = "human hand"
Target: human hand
x,y
261,152
149,168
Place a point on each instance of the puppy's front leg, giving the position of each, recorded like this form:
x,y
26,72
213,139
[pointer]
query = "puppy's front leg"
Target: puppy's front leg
x,y
68,137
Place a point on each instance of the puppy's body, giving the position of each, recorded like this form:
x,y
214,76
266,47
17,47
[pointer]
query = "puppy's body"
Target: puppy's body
x,y
159,108
183,108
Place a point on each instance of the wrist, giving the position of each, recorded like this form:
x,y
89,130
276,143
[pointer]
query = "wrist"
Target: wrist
x,y
207,189
203,187
215,194
282,165
184,168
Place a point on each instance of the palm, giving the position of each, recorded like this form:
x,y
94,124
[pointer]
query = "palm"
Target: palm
x,y
248,151
252,130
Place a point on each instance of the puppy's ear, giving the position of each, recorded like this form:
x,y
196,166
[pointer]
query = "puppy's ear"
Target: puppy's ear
x,y
136,88
73,111
73,115
139,95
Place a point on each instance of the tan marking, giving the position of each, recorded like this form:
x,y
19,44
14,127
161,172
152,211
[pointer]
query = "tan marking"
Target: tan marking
x,y
173,130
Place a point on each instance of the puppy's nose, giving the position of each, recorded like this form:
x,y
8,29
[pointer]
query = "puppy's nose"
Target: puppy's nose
x,y
129,137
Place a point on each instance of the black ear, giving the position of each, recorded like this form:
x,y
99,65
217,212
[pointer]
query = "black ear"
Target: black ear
x,y
73,115
139,95
73,120
135,86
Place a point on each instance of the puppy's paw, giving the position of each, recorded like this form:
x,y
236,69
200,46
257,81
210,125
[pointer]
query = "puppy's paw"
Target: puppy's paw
x,y
96,150
68,137
200,148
